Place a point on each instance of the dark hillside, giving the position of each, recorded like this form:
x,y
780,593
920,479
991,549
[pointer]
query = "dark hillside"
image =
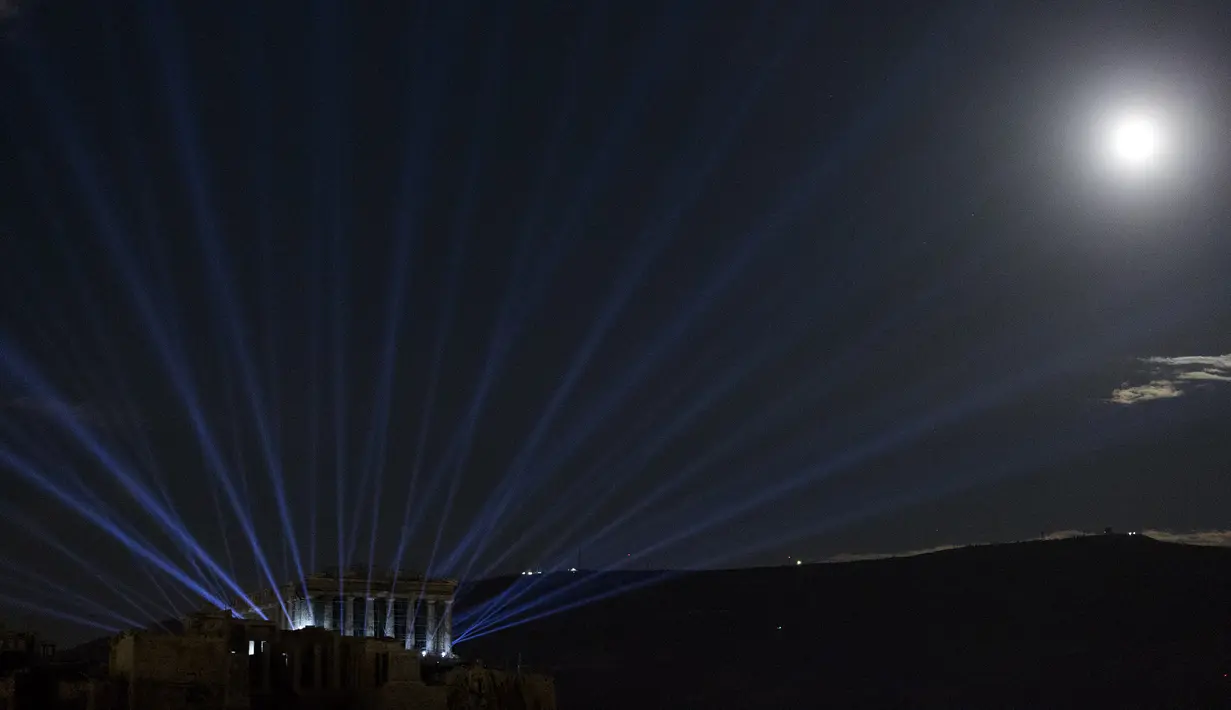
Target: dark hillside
x,y
1106,621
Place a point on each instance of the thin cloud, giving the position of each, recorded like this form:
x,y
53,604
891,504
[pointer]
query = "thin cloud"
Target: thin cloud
x,y
1155,389
865,557
1204,538
1218,362
1173,377
1205,375
1065,534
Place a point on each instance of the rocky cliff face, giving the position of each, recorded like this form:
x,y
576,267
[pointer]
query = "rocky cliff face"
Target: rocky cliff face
x,y
485,689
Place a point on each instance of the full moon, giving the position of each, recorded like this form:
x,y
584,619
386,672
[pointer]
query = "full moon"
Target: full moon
x,y
1135,141
1142,143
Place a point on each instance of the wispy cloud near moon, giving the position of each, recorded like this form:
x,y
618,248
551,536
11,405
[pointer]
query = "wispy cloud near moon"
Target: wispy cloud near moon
x,y
1173,377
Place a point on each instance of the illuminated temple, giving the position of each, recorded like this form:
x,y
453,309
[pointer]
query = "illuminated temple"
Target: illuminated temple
x,y
357,602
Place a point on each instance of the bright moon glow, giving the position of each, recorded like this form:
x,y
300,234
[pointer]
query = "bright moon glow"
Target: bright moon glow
x,y
1136,141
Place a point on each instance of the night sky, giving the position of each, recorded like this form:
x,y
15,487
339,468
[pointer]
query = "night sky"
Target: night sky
x,y
481,287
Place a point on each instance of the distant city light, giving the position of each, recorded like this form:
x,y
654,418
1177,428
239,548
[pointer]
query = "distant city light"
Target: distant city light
x,y
798,562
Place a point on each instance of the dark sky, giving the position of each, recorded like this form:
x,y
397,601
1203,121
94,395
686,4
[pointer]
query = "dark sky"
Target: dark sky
x,y
687,283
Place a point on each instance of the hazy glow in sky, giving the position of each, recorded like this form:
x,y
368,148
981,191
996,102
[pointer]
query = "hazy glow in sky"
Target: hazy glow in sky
x,y
1134,143
1136,140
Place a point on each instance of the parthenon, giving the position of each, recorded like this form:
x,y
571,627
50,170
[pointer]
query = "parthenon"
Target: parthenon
x,y
359,602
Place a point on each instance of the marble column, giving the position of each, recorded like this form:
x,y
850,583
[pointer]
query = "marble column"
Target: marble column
x,y
410,623
369,608
388,620
445,635
418,608
430,606
348,616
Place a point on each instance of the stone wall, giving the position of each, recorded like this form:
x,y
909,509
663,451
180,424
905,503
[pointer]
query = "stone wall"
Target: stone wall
x,y
166,672
404,667
107,694
184,659
162,695
209,671
120,662
74,693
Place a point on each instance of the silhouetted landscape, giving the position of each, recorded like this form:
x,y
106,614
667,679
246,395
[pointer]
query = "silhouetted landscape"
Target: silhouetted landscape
x,y
1101,621
316,318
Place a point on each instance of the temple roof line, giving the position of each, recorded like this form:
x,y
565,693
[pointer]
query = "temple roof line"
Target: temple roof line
x,y
373,573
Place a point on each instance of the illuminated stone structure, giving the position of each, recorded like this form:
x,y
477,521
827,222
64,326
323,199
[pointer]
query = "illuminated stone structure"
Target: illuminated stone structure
x,y
219,662
21,648
355,602
212,661
222,663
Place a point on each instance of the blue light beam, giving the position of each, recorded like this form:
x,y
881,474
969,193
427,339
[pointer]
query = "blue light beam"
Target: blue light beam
x,y
57,614
653,241
30,473
507,321
212,246
83,171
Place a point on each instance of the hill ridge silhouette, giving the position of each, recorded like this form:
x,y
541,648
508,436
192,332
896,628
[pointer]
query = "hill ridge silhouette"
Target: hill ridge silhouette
x,y
1102,620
